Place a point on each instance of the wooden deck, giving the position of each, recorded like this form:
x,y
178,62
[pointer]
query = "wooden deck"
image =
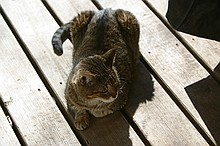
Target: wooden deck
x,y
175,99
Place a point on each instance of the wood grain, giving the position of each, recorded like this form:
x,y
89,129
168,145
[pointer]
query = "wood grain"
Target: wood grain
x,y
164,52
7,135
36,29
28,101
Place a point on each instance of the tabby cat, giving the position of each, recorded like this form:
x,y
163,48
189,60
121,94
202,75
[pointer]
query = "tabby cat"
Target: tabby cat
x,y
105,53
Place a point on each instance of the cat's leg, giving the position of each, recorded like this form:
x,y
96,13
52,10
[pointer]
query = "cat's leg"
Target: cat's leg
x,y
128,22
81,119
81,116
130,30
79,26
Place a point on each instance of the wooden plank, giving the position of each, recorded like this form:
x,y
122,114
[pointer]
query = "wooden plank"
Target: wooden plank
x,y
7,136
164,52
36,27
72,8
206,48
157,120
28,101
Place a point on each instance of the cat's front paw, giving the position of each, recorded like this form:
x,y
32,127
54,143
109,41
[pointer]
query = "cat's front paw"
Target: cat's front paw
x,y
81,120
81,123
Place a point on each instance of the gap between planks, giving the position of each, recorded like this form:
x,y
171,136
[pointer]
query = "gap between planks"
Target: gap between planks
x,y
12,122
5,110
40,73
8,136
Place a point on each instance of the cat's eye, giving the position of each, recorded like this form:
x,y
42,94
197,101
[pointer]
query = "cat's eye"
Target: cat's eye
x,y
117,85
83,80
104,92
86,80
100,92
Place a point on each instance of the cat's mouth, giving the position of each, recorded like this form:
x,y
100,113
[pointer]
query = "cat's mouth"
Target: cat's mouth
x,y
103,98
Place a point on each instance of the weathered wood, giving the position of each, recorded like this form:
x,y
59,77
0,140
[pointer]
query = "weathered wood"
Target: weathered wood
x,y
206,48
155,118
67,9
165,53
7,136
28,101
36,27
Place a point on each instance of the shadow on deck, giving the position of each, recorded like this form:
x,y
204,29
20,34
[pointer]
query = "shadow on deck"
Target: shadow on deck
x,y
205,96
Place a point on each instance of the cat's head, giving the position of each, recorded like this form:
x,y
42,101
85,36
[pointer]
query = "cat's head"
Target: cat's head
x,y
95,78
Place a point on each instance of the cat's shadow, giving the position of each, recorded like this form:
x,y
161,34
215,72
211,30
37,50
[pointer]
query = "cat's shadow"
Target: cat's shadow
x,y
114,129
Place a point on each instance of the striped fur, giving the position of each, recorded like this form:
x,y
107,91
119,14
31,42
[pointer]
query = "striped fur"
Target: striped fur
x,y
59,37
105,54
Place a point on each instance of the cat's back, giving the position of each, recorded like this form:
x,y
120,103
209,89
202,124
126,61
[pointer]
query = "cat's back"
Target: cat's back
x,y
107,32
108,29
102,34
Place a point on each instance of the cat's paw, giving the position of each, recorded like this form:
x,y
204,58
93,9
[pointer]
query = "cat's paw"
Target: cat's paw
x,y
81,123
81,119
102,113
81,21
127,21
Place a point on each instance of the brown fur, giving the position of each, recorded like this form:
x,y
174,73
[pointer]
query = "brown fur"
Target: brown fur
x,y
105,53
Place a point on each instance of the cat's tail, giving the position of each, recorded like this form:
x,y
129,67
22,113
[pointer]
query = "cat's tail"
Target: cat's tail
x,y
59,37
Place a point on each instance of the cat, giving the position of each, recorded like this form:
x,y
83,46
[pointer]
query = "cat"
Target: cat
x,y
105,54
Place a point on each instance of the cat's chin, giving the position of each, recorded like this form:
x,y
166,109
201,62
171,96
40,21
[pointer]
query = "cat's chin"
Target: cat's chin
x,y
97,99
111,99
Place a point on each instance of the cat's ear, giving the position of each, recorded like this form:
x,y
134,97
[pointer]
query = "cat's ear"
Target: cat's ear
x,y
86,77
109,57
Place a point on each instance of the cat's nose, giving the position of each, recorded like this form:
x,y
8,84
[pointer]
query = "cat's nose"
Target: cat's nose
x,y
113,97
113,94
112,91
